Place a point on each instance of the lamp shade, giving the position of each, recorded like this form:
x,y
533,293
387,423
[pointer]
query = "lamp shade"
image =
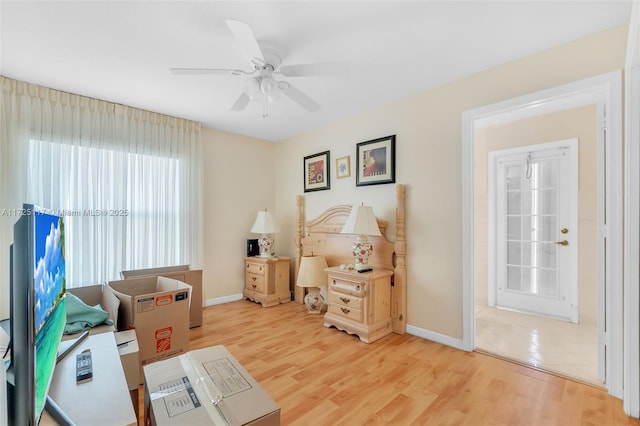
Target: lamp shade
x,y
361,221
311,272
265,224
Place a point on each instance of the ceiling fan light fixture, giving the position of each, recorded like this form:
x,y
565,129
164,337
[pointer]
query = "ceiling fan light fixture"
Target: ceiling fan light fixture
x,y
269,86
253,90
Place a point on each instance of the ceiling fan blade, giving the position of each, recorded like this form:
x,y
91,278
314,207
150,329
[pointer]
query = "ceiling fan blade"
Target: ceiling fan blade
x,y
298,97
321,69
241,103
244,34
208,71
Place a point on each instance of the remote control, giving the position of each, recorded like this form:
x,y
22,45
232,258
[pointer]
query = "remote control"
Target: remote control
x,y
84,367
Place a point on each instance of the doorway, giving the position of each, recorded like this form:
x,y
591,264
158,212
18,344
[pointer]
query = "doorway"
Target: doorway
x,y
605,93
537,242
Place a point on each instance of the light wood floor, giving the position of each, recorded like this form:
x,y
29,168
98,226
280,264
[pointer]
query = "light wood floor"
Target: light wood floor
x,y
323,376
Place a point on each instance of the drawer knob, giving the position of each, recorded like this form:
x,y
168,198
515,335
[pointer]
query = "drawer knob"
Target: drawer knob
x,y
345,300
254,278
358,287
333,282
254,286
345,310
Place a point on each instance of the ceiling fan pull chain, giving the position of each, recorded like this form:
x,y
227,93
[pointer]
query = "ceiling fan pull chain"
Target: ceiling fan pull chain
x,y
265,107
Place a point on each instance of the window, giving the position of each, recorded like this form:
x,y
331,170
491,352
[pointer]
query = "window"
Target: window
x,y
122,210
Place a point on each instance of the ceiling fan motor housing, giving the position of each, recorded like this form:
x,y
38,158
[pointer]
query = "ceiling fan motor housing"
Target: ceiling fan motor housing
x,y
272,57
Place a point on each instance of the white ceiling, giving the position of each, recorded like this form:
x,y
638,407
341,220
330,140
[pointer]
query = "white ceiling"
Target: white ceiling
x,y
121,51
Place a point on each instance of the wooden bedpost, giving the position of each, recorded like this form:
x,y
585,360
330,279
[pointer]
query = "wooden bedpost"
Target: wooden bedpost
x,y
298,291
399,290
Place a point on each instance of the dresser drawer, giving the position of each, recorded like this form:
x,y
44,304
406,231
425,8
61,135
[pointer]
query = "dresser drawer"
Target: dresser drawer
x,y
346,300
255,268
255,282
341,285
349,312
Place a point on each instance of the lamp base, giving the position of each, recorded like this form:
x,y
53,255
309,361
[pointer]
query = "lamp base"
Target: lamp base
x,y
314,301
361,250
265,242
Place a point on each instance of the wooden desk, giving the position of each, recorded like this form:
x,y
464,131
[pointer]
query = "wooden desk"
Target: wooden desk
x,y
103,400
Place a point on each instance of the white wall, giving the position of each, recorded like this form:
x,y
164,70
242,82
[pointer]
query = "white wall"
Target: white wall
x,y
428,159
238,181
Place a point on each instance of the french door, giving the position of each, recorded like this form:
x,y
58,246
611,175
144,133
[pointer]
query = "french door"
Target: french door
x,y
533,193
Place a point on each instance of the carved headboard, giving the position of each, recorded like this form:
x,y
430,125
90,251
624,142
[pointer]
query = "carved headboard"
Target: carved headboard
x,y
321,236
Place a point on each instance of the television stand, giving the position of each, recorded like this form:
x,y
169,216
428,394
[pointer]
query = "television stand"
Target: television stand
x,y
104,399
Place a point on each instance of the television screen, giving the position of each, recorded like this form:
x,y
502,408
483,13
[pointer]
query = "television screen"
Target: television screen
x,y
49,291
38,313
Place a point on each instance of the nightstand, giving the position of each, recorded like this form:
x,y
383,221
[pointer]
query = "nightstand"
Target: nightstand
x,y
267,280
359,303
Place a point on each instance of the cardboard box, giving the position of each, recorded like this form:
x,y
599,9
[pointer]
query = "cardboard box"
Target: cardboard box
x,y
181,390
94,295
158,309
129,351
193,277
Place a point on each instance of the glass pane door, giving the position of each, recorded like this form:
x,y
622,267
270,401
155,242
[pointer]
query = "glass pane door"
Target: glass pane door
x,y
536,229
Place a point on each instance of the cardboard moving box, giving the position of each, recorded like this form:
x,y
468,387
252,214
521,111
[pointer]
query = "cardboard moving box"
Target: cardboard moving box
x,y
128,349
94,295
182,391
158,309
183,273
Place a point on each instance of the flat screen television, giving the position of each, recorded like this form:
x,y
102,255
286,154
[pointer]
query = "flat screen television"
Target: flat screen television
x,y
37,307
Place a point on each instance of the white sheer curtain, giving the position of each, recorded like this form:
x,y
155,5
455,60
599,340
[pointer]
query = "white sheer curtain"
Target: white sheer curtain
x,y
129,182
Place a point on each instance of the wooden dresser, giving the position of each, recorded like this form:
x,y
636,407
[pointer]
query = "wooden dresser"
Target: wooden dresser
x,y
267,280
359,303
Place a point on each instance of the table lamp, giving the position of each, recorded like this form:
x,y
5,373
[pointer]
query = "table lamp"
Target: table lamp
x,y
312,275
361,222
265,225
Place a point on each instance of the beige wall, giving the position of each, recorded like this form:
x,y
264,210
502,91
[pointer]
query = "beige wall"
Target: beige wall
x,y
578,123
238,181
428,156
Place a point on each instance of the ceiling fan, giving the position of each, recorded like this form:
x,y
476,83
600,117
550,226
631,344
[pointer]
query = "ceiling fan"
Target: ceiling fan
x,y
265,63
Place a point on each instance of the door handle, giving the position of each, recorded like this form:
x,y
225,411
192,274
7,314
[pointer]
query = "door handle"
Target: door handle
x,y
562,243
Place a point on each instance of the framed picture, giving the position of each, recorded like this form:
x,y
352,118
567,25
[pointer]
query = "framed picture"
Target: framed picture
x,y
316,172
343,167
375,161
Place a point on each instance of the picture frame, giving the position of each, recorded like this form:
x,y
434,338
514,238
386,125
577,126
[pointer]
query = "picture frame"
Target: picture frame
x,y
343,167
375,161
317,175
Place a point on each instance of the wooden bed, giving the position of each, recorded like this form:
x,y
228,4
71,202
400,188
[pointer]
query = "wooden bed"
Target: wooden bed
x,y
321,236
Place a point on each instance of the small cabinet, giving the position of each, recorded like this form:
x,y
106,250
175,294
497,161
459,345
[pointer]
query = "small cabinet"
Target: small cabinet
x,y
359,303
267,280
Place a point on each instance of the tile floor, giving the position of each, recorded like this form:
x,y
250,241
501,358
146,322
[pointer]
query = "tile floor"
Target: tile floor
x,y
558,346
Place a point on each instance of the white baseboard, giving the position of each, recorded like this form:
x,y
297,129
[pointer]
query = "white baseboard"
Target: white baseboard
x,y
223,299
435,337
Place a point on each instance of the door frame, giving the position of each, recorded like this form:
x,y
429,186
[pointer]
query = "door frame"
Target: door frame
x,y
605,91
572,222
631,400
